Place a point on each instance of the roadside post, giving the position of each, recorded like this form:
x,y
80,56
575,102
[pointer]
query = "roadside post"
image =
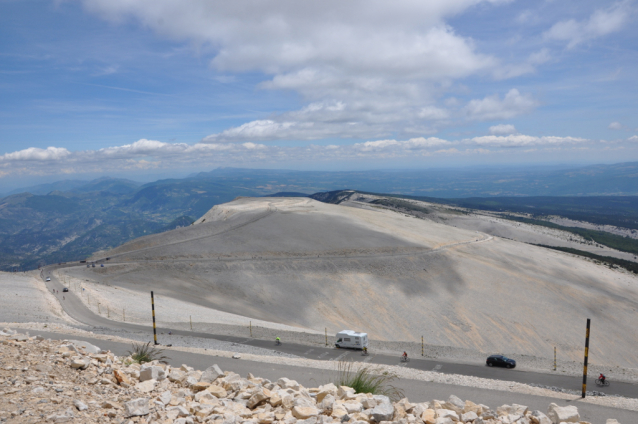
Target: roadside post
x,y
250,324
554,358
586,356
326,330
153,309
422,349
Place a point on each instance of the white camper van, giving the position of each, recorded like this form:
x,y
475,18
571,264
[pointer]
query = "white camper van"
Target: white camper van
x,y
349,338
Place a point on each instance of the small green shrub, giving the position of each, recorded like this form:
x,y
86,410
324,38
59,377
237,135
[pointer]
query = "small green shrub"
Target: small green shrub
x,y
368,379
142,353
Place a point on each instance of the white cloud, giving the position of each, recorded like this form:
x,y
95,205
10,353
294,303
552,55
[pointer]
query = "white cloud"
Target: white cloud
x,y
615,126
153,154
36,154
539,57
264,129
492,107
602,22
502,129
419,143
526,67
385,64
518,140
633,138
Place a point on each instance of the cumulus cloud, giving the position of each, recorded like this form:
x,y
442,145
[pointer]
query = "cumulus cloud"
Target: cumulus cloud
x,y
36,154
519,140
493,107
633,138
152,154
370,66
602,22
615,126
502,129
419,143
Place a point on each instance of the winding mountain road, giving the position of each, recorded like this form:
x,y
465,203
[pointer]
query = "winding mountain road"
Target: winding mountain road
x,y
73,305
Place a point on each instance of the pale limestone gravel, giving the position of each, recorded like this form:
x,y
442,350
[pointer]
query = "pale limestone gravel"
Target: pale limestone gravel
x,y
401,372
121,304
24,297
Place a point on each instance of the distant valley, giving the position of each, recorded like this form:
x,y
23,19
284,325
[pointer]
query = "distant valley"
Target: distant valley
x,y
70,220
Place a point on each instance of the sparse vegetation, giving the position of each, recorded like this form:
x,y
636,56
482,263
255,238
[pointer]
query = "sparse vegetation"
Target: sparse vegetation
x,y
625,244
401,205
367,379
607,260
142,353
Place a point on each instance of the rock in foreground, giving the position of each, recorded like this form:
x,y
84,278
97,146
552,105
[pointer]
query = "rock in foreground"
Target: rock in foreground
x,y
40,381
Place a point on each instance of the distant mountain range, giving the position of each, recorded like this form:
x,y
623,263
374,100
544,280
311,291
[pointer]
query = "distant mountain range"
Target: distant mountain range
x,y
69,220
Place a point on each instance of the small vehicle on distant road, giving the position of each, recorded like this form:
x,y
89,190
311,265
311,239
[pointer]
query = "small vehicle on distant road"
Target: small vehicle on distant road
x,y
48,278
500,361
66,289
351,339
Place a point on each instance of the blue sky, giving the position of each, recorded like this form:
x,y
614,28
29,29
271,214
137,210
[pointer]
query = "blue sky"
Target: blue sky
x,y
155,87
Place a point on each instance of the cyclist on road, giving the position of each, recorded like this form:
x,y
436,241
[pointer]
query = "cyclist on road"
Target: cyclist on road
x,y
365,350
602,378
405,355
277,340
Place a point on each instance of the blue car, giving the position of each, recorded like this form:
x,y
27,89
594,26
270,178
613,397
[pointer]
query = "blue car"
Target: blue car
x,y
500,361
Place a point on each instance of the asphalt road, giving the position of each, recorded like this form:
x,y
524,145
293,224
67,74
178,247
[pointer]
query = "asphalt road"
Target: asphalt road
x,y
77,310
416,391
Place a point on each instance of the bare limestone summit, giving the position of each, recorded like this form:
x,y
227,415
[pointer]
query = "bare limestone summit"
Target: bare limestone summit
x,y
310,265
39,383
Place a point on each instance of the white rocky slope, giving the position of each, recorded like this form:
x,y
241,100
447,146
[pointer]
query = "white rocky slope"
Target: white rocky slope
x,y
46,381
303,263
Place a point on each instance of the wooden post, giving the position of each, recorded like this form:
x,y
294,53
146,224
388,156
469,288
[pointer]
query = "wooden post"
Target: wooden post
x,y
586,357
326,335
153,309
554,358
191,319
250,324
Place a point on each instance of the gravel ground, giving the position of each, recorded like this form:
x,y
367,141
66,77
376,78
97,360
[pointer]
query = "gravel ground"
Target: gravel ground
x,y
122,304
25,299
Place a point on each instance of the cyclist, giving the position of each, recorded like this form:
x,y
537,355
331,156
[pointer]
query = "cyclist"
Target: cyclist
x,y
278,340
365,350
405,356
602,378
